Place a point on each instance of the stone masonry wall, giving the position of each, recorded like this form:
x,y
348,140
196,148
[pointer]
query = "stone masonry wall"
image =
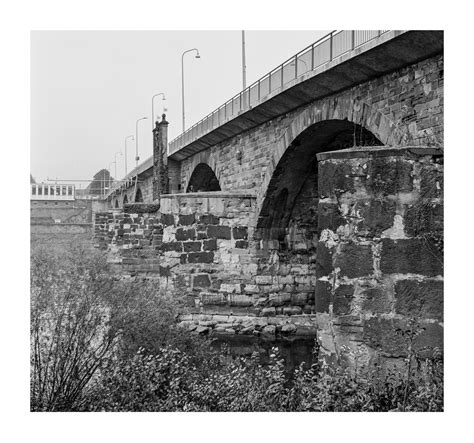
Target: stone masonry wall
x,y
362,257
401,108
380,251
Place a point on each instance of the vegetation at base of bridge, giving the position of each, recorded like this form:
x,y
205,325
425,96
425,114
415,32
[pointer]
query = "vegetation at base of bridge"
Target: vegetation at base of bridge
x,y
99,343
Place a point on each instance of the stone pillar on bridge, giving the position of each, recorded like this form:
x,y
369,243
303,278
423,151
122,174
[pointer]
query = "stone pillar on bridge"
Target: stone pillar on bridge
x,y
160,159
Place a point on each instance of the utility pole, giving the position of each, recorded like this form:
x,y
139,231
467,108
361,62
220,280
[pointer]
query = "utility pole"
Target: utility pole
x,y
244,74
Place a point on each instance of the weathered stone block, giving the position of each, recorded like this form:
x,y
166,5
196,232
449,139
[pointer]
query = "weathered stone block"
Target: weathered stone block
x,y
186,219
322,298
431,182
192,246
323,260
354,260
389,176
376,300
423,217
377,216
334,176
201,257
431,337
171,246
167,219
269,331
288,328
240,232
209,245
221,232
267,312
329,217
201,281
384,335
264,279
292,310
240,300
251,289
407,256
299,299
419,299
231,288
279,299
242,244
209,219
342,299
214,299
185,234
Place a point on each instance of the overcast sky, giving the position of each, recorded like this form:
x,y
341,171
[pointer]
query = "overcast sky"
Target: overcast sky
x,y
88,88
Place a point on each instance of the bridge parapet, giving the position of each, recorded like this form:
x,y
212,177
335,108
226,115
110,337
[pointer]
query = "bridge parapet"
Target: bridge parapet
x,y
330,47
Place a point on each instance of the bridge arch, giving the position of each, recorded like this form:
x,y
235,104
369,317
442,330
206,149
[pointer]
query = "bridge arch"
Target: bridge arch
x,y
287,209
203,179
116,203
203,157
346,109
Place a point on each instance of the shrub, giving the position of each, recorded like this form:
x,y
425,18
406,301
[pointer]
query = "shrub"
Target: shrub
x,y
70,336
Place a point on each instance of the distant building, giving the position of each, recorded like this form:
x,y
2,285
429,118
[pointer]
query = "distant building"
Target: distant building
x,y
55,192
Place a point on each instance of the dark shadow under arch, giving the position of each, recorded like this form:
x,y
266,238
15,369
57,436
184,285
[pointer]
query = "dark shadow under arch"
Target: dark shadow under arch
x,y
116,203
125,200
295,178
203,179
139,196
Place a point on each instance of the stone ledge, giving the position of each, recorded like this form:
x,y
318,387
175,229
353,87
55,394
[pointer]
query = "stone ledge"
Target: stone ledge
x,y
140,208
379,151
215,194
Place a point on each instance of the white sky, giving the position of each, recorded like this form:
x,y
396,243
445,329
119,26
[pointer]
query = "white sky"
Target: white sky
x,y
88,88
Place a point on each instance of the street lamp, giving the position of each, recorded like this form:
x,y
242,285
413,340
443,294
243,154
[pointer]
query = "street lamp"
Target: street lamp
x,y
136,152
136,140
152,110
115,158
110,167
182,78
126,138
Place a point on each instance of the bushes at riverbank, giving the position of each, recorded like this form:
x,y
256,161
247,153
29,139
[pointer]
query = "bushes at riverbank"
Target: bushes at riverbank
x,y
99,343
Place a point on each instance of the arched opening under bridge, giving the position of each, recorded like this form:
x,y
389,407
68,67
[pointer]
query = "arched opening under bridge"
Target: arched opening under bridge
x,y
139,196
288,218
203,179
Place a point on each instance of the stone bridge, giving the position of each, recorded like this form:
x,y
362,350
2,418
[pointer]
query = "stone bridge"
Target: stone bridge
x,y
313,207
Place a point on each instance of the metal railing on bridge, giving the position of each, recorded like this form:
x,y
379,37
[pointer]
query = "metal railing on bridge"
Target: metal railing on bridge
x,y
320,52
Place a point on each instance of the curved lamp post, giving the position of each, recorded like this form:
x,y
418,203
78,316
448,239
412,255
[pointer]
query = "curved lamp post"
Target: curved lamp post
x,y
126,138
182,79
152,109
136,153
110,180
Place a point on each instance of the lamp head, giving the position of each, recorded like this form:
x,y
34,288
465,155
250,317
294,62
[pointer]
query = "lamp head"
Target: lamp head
x,y
198,55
